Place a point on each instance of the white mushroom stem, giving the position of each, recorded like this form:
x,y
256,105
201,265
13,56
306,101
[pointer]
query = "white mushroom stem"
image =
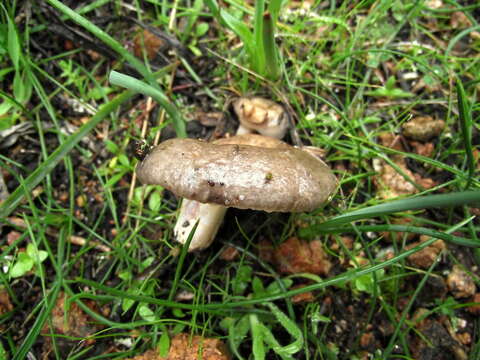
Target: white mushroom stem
x,y
210,217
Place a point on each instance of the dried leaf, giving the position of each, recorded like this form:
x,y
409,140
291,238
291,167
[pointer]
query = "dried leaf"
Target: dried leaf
x,y
184,347
423,128
460,284
151,43
298,256
5,303
424,258
73,321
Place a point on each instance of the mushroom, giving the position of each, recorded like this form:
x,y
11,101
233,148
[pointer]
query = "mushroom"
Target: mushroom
x,y
262,115
269,175
255,114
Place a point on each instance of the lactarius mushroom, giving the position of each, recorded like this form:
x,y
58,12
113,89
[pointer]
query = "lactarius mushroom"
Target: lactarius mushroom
x,y
229,173
254,114
262,115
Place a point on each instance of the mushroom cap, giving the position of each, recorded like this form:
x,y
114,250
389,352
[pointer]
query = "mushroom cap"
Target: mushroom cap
x,y
242,176
252,140
261,115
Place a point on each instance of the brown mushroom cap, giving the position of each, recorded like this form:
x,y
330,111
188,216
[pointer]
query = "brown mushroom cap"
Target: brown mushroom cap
x,y
242,176
252,140
262,115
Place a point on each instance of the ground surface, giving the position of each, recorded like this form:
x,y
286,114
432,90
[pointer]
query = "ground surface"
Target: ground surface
x,y
90,265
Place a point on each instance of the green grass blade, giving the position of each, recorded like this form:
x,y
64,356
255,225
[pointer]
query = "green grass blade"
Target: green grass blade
x,y
415,203
181,261
192,19
466,122
258,37
213,6
457,240
243,32
136,85
39,173
458,37
274,8
272,60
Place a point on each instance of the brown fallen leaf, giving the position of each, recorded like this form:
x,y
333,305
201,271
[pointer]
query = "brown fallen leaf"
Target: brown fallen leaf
x,y
229,253
298,256
184,347
73,321
460,284
305,297
390,183
458,20
424,258
5,303
424,149
423,128
151,43
391,141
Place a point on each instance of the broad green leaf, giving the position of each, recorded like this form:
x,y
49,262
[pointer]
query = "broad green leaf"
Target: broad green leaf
x,y
257,286
242,279
258,348
164,344
23,264
274,287
22,88
270,340
155,201
36,255
366,283
146,263
125,275
124,160
112,147
237,331
3,352
146,313
290,327
127,304
14,48
201,29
